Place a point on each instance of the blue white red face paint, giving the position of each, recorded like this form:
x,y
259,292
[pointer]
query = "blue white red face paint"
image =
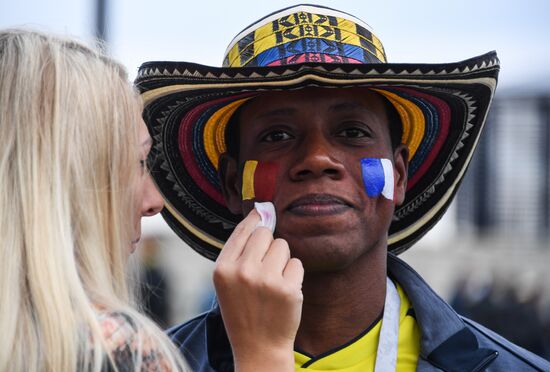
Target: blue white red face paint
x,y
259,184
378,177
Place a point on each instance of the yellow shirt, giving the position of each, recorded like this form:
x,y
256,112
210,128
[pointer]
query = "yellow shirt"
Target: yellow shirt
x,y
360,355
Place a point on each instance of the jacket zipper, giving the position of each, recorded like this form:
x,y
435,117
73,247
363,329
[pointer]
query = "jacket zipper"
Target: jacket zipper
x,y
485,362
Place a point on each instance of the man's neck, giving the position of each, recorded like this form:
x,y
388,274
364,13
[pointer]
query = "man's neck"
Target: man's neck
x,y
338,306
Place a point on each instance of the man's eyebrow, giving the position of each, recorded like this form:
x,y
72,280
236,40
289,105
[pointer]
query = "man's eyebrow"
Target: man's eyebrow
x,y
284,111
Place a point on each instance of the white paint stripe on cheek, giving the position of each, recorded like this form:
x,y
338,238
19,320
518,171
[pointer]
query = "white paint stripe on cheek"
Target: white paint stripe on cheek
x,y
387,191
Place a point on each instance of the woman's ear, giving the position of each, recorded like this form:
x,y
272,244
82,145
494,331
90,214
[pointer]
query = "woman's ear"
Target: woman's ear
x,y
401,166
231,183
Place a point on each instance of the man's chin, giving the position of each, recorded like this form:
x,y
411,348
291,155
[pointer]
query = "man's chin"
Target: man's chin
x,y
322,254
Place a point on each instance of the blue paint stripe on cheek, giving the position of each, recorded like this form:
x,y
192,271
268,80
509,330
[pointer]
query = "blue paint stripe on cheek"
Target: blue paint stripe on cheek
x,y
373,176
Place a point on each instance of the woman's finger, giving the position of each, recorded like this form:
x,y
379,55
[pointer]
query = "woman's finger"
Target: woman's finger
x,y
234,246
294,272
256,247
276,257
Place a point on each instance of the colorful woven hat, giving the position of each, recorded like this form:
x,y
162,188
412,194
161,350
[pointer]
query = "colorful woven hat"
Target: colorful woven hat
x,y
187,107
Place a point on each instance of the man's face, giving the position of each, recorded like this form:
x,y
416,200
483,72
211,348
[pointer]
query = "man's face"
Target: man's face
x,y
318,137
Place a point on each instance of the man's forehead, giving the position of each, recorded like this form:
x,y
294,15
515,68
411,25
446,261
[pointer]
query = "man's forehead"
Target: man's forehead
x,y
330,99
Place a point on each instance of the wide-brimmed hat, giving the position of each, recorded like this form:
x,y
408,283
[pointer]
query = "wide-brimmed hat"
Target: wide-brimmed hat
x,y
187,107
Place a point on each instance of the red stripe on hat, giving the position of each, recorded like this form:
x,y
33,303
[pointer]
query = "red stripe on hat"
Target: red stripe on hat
x,y
185,142
310,57
265,179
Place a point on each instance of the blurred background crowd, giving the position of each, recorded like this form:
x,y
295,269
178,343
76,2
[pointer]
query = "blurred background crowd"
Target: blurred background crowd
x,y
490,254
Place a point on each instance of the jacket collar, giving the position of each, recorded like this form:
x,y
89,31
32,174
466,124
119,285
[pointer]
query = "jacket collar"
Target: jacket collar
x,y
446,341
220,355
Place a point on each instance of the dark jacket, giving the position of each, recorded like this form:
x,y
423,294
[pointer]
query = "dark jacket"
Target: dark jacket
x,y
449,342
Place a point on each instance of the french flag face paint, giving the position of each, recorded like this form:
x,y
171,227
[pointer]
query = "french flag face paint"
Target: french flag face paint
x,y
378,177
259,180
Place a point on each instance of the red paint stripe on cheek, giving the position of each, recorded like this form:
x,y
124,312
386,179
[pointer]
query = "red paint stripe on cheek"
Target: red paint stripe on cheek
x,y
265,179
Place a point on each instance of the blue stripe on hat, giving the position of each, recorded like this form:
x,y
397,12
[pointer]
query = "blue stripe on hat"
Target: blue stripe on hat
x,y
310,45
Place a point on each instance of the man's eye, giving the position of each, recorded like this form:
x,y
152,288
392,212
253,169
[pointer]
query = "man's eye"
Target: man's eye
x,y
276,136
353,133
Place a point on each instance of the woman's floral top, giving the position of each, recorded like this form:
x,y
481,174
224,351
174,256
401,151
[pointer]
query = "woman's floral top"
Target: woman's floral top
x,y
125,340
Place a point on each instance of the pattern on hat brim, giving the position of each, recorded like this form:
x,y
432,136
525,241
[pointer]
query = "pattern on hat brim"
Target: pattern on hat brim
x,y
445,103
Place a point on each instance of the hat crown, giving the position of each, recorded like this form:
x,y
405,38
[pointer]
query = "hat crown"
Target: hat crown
x,y
305,33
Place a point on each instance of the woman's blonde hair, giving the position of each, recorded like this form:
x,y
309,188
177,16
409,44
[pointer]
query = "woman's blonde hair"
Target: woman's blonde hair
x,y
69,158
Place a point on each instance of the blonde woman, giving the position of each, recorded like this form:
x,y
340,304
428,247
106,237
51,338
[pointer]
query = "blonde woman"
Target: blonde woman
x,y
73,188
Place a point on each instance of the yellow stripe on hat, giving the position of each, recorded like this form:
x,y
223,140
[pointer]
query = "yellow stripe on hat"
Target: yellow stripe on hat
x,y
351,27
233,55
412,118
214,131
248,179
380,53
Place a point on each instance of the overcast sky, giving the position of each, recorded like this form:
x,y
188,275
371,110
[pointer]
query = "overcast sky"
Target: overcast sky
x,y
411,31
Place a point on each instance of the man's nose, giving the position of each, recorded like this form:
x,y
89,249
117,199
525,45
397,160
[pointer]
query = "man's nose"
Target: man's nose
x,y
316,157
152,202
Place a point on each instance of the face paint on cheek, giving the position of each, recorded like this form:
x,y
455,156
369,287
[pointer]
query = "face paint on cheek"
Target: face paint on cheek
x,y
378,177
259,179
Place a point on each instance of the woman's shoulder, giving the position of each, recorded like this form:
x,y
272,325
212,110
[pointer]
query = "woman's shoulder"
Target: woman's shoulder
x,y
129,344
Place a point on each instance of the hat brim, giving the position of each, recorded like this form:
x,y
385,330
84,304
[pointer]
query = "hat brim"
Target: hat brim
x,y
451,100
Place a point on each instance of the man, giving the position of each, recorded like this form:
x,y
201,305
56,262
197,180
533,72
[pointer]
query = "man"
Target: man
x,y
360,158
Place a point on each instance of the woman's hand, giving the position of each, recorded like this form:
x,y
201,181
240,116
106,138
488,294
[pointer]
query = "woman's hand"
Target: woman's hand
x,y
259,291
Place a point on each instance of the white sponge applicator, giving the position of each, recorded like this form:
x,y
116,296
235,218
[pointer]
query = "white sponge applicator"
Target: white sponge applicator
x,y
267,215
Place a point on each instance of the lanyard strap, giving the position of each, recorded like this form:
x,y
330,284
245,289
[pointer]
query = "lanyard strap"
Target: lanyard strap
x,y
386,355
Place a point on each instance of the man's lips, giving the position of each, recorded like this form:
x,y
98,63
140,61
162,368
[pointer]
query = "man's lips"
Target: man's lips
x,y
318,205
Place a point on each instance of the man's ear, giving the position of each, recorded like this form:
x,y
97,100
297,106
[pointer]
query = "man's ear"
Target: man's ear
x,y
401,166
231,182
